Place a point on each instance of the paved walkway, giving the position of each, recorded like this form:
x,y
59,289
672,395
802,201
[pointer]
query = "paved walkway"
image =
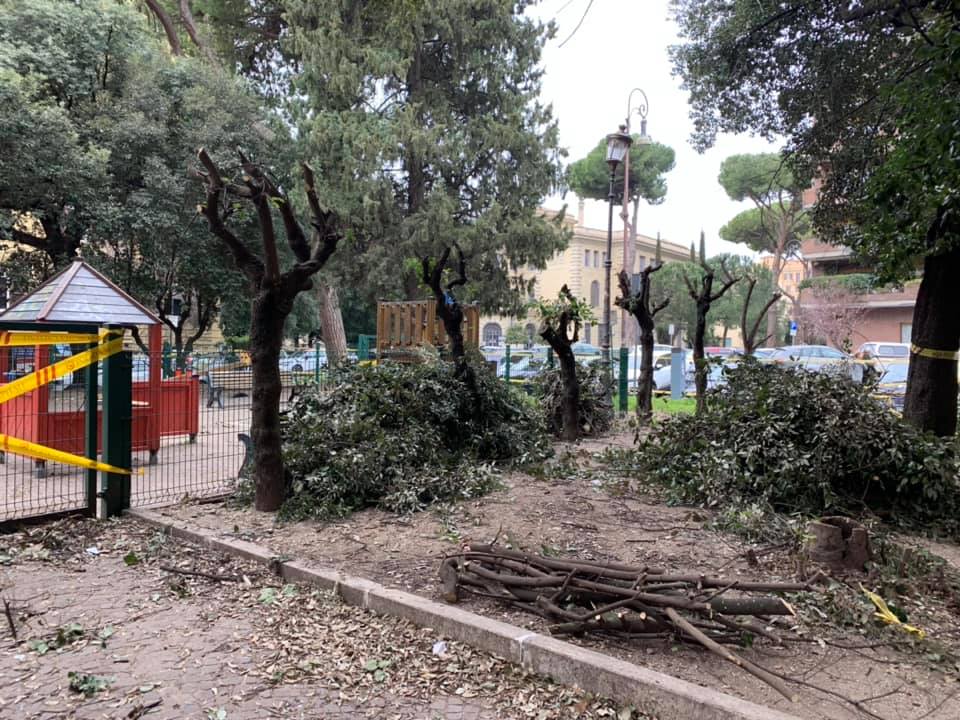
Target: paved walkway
x,y
184,646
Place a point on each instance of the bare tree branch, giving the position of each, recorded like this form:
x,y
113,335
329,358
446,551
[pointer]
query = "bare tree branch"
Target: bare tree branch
x,y
248,263
168,28
190,25
296,238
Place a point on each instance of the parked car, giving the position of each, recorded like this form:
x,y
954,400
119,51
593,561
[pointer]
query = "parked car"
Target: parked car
x,y
892,387
883,351
303,361
762,354
818,358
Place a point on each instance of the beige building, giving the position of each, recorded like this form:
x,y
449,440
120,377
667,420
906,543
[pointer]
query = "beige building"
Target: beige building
x,y
580,267
792,273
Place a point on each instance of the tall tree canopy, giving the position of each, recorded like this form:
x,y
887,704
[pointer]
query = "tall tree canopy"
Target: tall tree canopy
x,y
426,134
589,177
776,222
870,103
97,131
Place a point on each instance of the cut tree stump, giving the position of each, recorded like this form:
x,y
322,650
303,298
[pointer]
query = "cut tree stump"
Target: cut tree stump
x,y
839,542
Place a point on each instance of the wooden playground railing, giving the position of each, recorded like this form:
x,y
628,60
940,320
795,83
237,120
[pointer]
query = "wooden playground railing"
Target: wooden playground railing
x,y
404,326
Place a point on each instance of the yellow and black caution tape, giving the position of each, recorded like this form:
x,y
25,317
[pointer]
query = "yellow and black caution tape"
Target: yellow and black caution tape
x,y
935,354
42,452
885,614
44,375
28,339
111,346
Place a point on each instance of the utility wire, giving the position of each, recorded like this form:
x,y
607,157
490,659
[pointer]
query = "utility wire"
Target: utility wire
x,y
583,17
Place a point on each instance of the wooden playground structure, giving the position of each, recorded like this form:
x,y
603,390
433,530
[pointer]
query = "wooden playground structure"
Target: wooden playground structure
x,y
403,327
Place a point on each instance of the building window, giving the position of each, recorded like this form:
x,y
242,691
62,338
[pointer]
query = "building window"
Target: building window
x,y
641,263
586,258
594,293
491,334
596,259
906,332
604,258
586,332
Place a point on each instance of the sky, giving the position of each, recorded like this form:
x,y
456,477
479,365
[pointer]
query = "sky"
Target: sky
x,y
620,45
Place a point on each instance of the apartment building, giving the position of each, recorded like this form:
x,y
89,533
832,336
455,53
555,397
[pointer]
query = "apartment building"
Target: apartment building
x,y
580,267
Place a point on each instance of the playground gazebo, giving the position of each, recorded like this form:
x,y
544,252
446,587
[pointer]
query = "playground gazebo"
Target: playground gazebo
x,y
79,294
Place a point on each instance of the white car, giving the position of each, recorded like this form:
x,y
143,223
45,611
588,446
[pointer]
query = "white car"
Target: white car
x,y
883,350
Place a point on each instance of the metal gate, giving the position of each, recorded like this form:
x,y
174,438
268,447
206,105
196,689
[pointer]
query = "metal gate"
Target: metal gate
x,y
64,403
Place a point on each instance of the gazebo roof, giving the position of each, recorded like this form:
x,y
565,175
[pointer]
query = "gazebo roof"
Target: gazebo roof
x,y
78,293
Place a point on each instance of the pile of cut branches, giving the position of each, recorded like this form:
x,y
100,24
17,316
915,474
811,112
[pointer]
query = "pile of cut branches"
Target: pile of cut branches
x,y
579,597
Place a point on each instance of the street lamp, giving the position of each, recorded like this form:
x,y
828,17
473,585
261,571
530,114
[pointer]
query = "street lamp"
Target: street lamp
x,y
641,109
618,147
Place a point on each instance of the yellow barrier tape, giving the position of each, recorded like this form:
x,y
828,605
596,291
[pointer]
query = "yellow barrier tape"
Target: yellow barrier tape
x,y
50,373
935,354
42,452
886,615
26,339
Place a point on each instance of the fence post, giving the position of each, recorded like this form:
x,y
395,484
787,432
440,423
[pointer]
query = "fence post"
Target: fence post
x,y
622,385
90,428
117,421
316,364
506,365
550,358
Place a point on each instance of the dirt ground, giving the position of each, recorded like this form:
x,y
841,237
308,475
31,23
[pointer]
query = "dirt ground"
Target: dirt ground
x,y
838,672
115,620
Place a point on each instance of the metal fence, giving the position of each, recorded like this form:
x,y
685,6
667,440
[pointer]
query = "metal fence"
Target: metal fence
x,y
188,435
184,434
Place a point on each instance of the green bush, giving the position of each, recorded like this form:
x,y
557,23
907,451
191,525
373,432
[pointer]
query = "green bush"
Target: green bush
x,y
596,400
804,442
403,436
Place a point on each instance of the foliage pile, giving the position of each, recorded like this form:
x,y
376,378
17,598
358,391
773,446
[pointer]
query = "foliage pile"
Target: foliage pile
x,y
804,442
403,436
596,401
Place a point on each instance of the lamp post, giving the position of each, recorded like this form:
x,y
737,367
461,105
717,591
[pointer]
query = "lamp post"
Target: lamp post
x,y
618,147
628,247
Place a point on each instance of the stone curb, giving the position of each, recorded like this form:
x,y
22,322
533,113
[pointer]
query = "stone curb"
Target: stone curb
x,y
668,697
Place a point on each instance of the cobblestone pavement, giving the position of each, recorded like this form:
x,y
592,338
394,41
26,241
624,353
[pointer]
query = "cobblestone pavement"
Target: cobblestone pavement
x,y
188,646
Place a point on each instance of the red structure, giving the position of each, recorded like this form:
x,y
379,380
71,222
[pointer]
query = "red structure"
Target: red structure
x,y
79,294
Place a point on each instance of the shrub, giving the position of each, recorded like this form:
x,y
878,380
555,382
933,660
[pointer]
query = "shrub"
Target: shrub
x,y
403,436
596,400
804,442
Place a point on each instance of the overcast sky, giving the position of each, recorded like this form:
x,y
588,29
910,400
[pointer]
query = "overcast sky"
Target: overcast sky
x,y
622,44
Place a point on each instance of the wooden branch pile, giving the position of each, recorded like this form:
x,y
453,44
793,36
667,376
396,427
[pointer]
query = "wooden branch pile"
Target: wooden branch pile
x,y
579,597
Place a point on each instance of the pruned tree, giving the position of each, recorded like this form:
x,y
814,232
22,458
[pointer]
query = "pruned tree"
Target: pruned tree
x,y
749,330
560,327
638,304
273,291
449,309
703,298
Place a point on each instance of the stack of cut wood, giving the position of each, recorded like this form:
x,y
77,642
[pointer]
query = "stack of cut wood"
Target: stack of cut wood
x,y
579,597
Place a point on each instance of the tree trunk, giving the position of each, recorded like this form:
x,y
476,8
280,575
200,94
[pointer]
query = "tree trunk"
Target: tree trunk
x,y
931,399
178,354
331,324
645,381
772,339
699,357
570,397
268,314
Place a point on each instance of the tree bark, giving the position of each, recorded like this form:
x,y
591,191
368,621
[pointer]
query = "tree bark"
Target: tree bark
x,y
331,324
269,312
570,398
772,316
168,28
699,356
931,399
638,305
